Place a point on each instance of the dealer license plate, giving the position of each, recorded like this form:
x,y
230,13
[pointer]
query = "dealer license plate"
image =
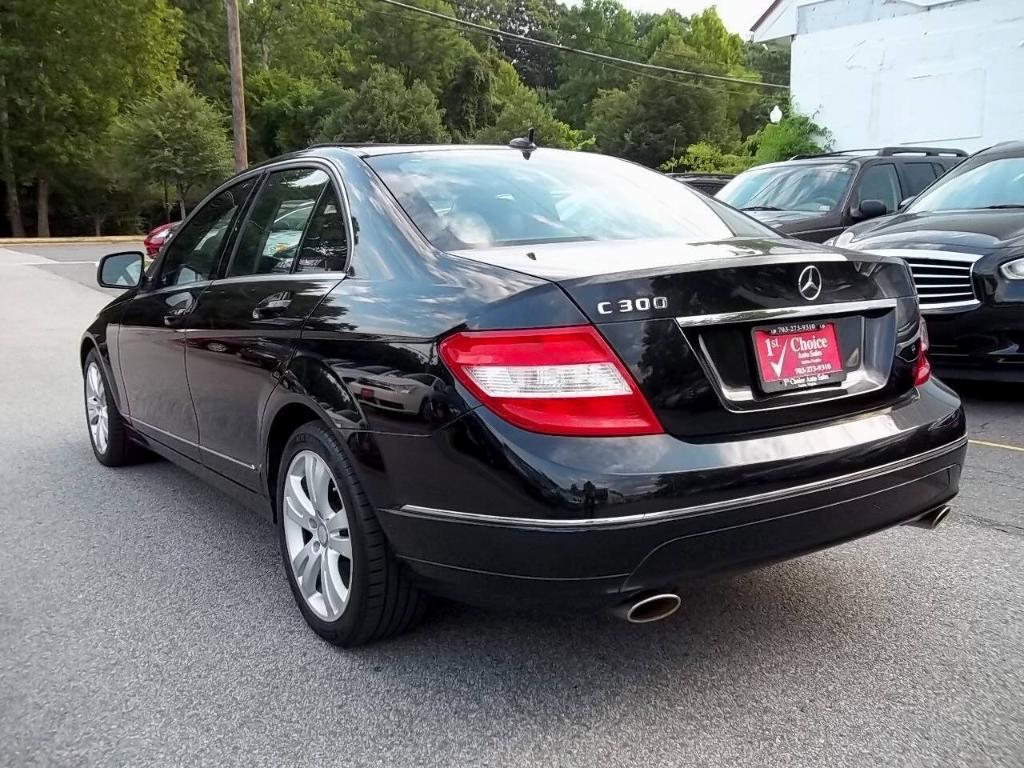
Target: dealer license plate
x,y
798,355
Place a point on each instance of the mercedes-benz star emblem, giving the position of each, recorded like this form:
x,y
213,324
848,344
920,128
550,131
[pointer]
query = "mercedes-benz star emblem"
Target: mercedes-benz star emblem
x,y
809,283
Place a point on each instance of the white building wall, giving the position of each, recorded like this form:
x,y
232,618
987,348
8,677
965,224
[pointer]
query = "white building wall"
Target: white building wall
x,y
883,72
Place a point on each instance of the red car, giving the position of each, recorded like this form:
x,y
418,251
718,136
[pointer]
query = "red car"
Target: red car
x,y
157,237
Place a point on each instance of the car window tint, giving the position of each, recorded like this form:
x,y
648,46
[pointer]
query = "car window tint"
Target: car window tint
x,y
325,246
271,234
879,182
481,198
917,177
194,253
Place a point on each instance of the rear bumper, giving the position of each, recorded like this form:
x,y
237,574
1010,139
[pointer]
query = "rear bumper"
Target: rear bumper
x,y
481,555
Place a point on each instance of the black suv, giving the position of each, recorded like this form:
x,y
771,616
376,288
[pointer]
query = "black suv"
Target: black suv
x,y
817,197
963,239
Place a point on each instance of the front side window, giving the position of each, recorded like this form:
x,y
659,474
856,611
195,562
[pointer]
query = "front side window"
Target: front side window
x,y
879,182
815,188
271,234
998,183
194,253
476,198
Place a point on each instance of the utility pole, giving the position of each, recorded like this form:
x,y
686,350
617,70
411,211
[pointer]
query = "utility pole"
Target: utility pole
x,y
237,88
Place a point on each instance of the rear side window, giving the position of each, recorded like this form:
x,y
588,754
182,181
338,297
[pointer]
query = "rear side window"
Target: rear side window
x,y
325,246
917,177
879,182
270,238
194,254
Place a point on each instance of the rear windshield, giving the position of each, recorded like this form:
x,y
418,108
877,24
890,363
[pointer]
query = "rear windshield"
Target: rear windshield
x,y
480,198
810,188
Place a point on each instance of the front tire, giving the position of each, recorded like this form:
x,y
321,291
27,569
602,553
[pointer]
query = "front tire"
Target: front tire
x,y
107,432
345,580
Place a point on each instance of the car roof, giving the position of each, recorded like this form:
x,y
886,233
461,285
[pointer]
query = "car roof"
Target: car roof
x,y
372,149
840,158
1003,149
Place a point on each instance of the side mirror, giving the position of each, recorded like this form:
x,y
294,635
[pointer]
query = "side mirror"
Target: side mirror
x,y
869,209
905,202
120,270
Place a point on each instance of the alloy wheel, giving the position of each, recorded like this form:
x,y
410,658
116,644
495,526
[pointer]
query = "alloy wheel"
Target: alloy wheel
x,y
96,408
317,535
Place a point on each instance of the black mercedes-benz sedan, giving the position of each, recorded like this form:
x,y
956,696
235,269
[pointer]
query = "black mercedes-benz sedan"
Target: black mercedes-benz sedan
x,y
512,375
963,238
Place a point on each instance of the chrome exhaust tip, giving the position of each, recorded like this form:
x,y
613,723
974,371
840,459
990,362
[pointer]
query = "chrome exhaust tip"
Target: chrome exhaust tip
x,y
931,520
645,609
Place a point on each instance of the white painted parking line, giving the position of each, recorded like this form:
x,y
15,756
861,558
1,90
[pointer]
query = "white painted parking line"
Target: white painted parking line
x,y
987,444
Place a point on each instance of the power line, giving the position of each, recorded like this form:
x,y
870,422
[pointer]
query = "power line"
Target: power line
x,y
579,51
489,33
627,70
590,37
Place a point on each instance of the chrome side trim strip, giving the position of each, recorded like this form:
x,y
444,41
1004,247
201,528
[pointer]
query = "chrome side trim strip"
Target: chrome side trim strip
x,y
700,509
141,423
782,313
219,455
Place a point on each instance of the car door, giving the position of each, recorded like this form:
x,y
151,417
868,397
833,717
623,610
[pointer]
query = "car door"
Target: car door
x,y
151,334
291,250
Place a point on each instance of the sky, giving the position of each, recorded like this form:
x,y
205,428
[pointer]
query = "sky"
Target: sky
x,y
738,15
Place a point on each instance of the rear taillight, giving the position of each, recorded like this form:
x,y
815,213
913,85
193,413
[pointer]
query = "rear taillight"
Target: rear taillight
x,y
922,368
557,381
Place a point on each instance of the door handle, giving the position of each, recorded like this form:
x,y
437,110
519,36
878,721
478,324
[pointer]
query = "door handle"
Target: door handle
x,y
273,305
179,313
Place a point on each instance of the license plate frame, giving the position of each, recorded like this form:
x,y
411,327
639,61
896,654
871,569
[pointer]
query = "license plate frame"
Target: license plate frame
x,y
815,361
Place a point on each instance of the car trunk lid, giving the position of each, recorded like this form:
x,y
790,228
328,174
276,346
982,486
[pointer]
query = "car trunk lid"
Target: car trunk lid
x,y
688,319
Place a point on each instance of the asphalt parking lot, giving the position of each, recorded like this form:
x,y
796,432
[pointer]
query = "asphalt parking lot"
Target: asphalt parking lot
x,y
145,620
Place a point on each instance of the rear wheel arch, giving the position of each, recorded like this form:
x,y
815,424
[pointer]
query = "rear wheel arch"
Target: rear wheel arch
x,y
285,421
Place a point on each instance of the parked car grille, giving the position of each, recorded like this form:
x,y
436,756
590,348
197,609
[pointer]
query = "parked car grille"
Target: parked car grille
x,y
943,281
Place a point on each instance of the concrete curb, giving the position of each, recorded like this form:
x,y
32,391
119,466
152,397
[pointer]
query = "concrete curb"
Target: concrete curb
x,y
69,240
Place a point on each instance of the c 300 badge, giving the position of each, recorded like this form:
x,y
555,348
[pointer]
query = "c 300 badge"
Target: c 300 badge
x,y
639,304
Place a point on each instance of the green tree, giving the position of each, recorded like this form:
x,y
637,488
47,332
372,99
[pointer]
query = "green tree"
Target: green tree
x,y
602,26
467,98
795,134
385,110
175,139
704,157
518,108
421,49
99,189
310,39
285,111
67,68
537,19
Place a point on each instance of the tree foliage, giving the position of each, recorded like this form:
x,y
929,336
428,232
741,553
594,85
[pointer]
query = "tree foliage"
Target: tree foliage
x,y
384,109
67,71
704,157
360,70
177,139
795,134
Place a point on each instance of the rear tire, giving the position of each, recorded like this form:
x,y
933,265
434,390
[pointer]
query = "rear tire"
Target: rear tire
x,y
108,434
347,584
